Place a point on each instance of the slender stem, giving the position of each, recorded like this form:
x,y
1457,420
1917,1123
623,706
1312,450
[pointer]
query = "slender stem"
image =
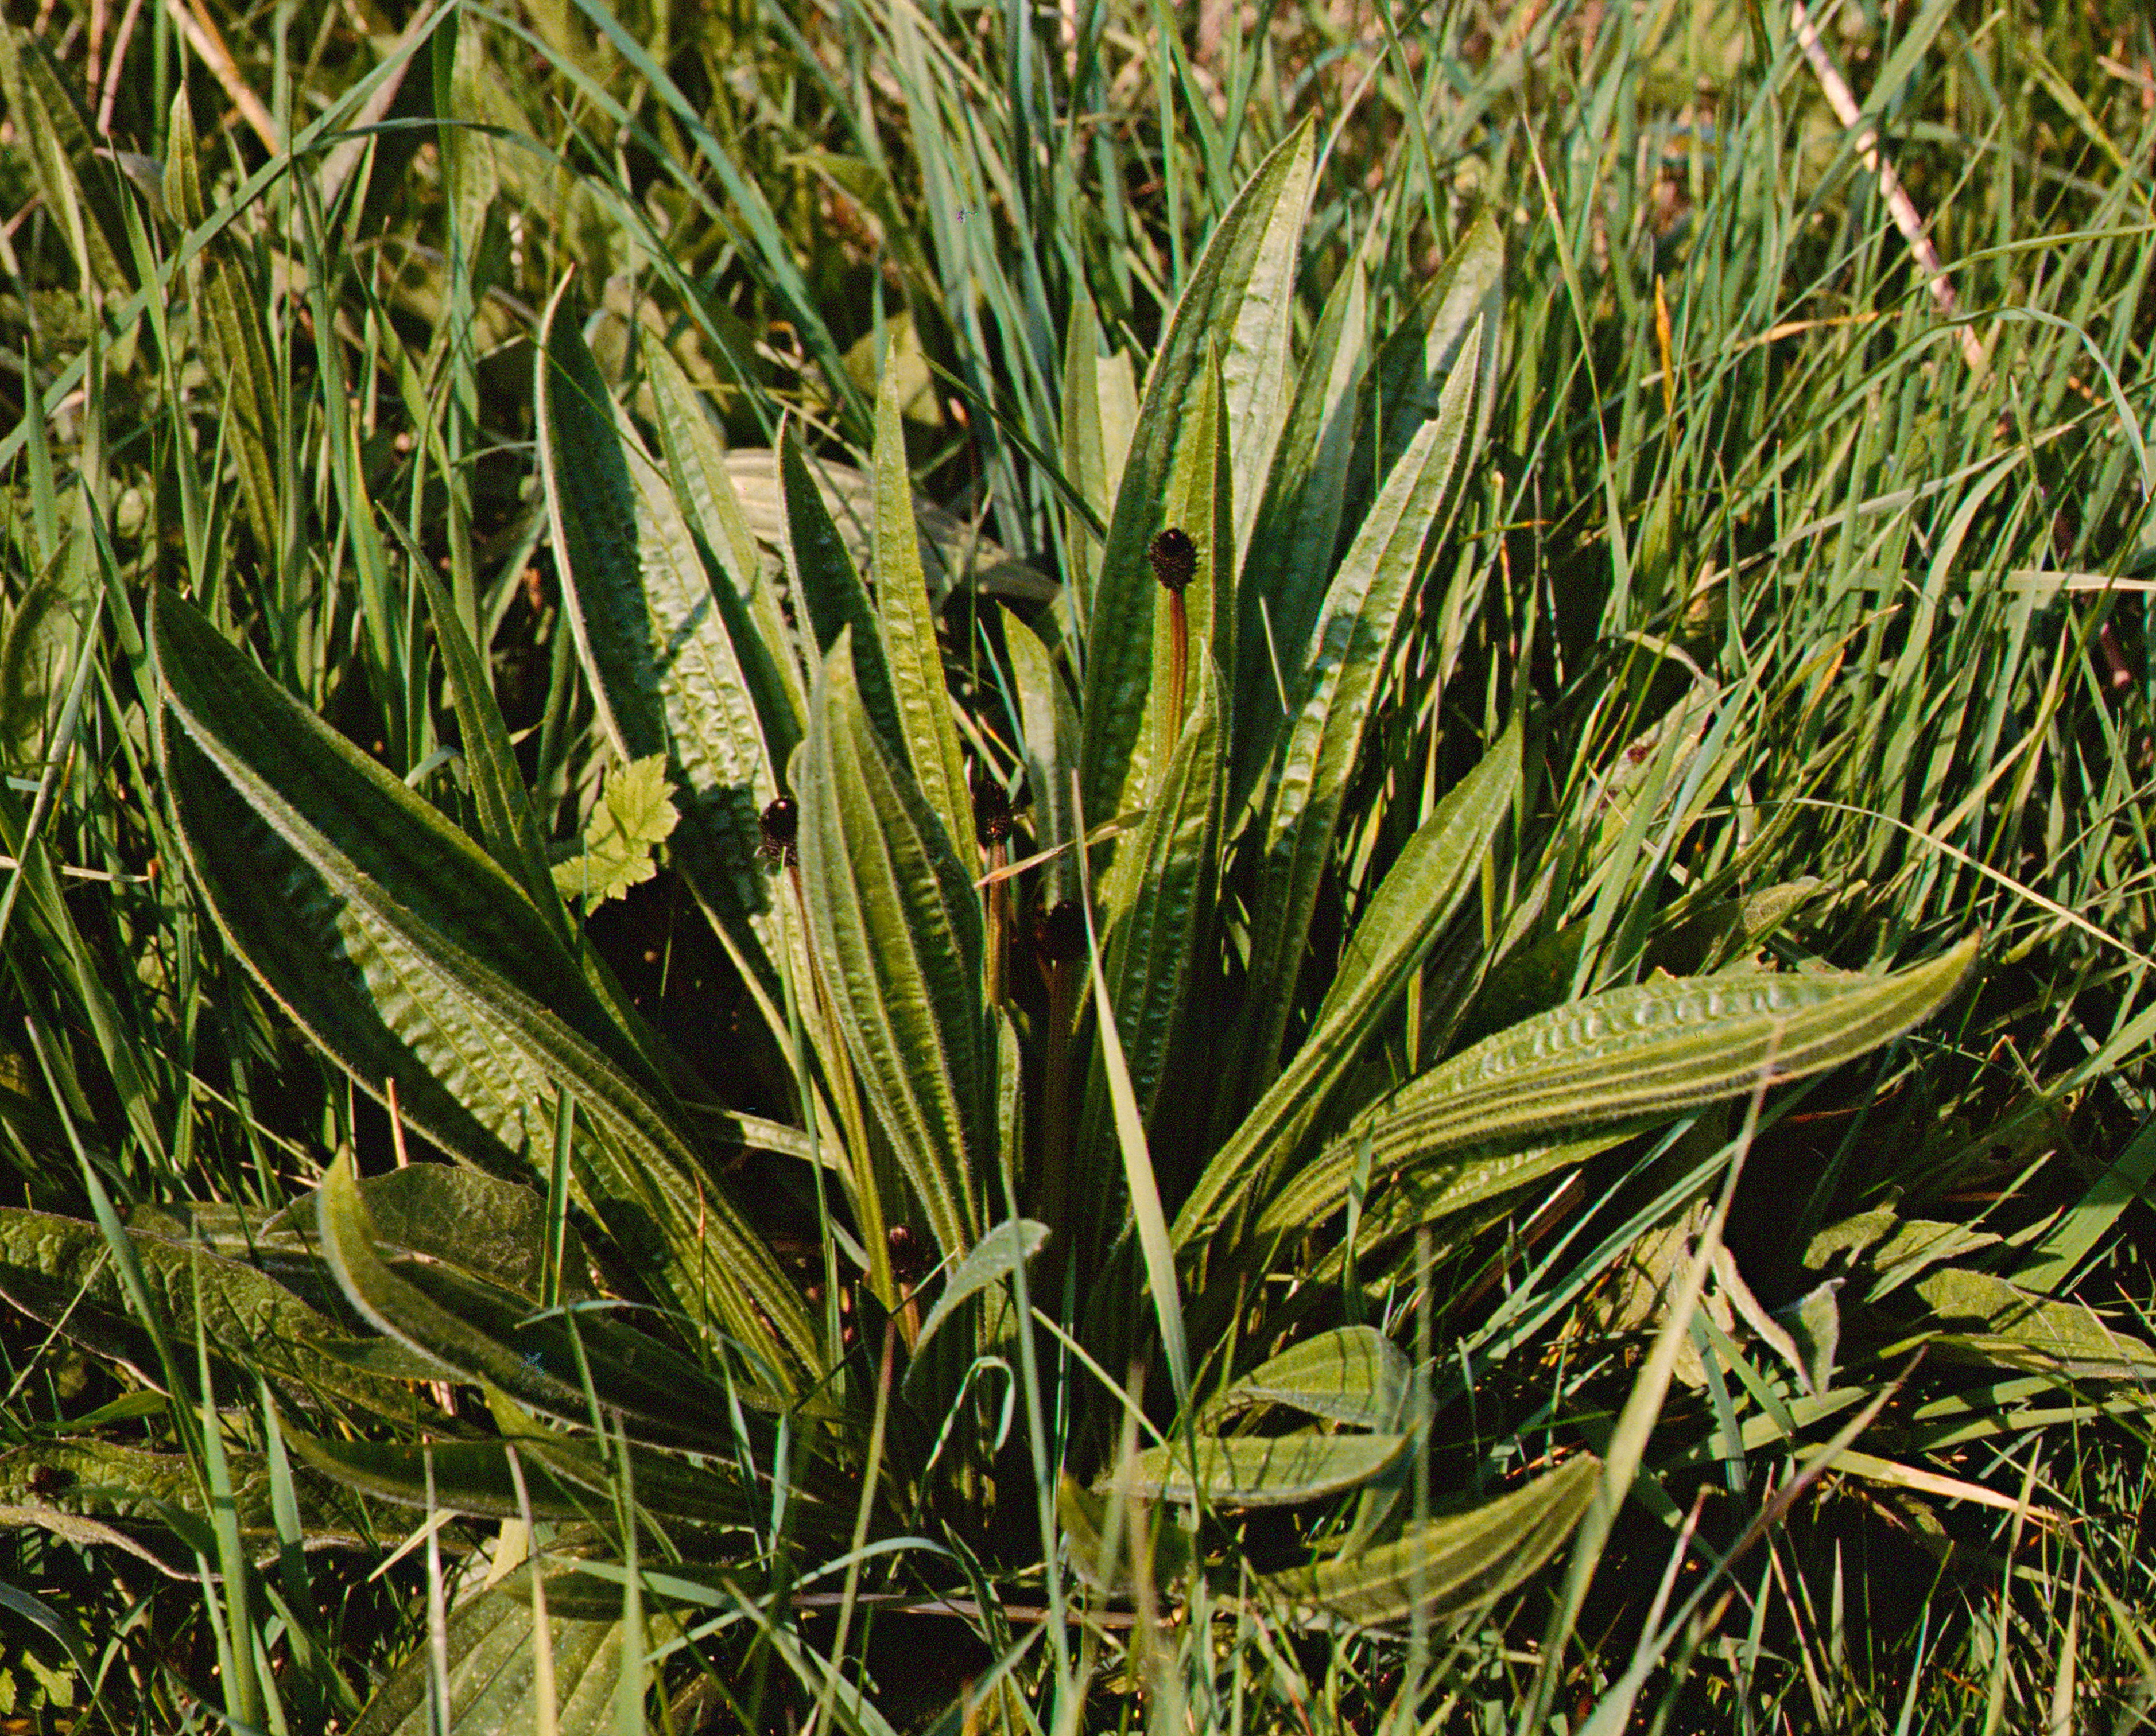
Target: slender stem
x,y
1178,652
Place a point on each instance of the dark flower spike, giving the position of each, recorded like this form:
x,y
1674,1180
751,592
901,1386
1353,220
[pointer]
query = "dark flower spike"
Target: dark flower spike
x,y
992,811
781,823
1059,932
1173,557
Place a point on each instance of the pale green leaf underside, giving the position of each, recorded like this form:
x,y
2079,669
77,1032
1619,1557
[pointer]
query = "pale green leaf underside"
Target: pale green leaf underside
x,y
1256,1471
1451,1564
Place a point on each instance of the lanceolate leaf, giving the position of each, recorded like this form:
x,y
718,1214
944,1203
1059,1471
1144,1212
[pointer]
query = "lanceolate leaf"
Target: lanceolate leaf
x,y
564,1478
1417,899
1256,1471
408,955
897,926
508,825
1049,723
1353,1375
59,1270
1119,633
997,1254
228,313
1159,894
1629,1055
1288,558
829,591
649,630
913,656
475,1330
100,1479
1418,362
494,1686
1332,691
1448,1564
748,607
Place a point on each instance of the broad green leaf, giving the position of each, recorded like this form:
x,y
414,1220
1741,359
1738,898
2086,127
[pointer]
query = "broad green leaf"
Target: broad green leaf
x,y
493,1687
1085,462
2069,1242
912,654
1099,1549
993,1257
1259,1470
408,955
59,1270
51,131
1048,721
1623,1057
2015,1329
1351,1375
1419,896
1287,561
749,611
473,1329
1160,892
1449,1565
101,1479
1417,365
1334,689
828,591
508,823
228,307
634,816
564,1478
896,928
1254,353
490,1228
1916,1243
1119,630
650,632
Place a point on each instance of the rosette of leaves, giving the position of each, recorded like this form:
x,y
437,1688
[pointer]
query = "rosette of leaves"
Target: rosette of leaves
x,y
1082,1074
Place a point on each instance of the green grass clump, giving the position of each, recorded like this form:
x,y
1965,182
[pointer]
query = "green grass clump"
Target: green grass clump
x,y
1044,869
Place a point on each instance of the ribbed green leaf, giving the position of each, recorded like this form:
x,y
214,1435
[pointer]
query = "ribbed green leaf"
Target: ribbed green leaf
x,y
563,1479
473,1329
1160,894
101,1479
1261,1471
80,193
1334,688
1119,633
1417,363
1048,720
896,926
489,1228
1419,896
1084,462
493,1685
1449,1565
408,955
997,1255
651,634
1627,1056
1253,353
911,651
228,317
1353,1374
59,1270
508,823
830,592
748,607
2017,1331
1287,561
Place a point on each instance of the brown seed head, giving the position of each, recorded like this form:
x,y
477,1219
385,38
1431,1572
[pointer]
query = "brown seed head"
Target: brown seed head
x,y
781,824
1175,559
992,810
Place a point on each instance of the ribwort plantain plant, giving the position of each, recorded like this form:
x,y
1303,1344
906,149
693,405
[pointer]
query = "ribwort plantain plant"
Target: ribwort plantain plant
x,y
1101,1211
